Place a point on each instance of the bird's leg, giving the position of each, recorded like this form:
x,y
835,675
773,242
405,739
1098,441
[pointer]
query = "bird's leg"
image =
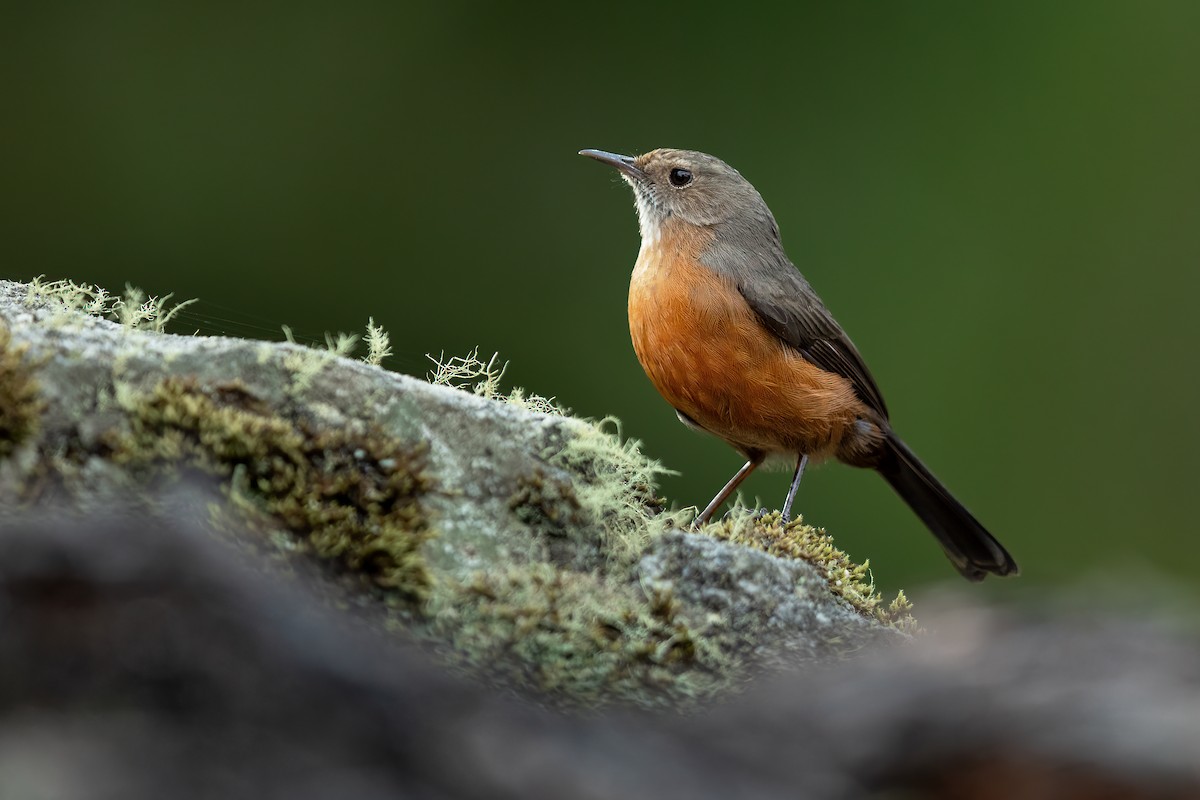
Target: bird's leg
x,y
729,489
801,462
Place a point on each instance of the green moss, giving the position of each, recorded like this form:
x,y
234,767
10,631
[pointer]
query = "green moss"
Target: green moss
x,y
20,403
353,497
796,540
580,638
547,505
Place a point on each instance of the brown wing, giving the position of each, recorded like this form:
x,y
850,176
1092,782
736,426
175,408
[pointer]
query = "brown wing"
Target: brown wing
x,y
790,309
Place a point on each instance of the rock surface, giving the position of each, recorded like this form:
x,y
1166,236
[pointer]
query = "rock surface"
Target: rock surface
x,y
526,546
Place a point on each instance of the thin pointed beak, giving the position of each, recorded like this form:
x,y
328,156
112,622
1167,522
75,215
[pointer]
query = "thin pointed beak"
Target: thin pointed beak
x,y
625,164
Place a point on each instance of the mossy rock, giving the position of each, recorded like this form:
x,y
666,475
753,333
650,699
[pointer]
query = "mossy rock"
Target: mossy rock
x,y
526,546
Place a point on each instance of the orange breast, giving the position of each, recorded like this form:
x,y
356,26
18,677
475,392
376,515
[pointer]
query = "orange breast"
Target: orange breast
x,y
706,352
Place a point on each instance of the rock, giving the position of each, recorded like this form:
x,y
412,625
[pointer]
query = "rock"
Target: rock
x,y
143,657
526,546
239,570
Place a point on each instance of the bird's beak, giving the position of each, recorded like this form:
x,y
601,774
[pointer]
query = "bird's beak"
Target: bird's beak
x,y
626,164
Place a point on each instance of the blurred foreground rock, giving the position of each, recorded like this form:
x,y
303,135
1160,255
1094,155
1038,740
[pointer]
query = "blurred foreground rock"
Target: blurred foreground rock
x,y
143,658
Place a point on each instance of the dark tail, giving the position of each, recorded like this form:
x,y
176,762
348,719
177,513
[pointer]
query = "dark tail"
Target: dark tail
x,y
968,545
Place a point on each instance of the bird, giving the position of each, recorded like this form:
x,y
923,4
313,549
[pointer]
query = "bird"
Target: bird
x,y
732,335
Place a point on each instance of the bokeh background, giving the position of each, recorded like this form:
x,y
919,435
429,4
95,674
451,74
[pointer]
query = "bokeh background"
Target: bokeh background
x,y
1000,202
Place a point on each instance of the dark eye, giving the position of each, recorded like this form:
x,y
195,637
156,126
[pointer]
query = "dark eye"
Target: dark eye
x,y
680,177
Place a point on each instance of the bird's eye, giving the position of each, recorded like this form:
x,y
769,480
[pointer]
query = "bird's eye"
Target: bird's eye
x,y
680,177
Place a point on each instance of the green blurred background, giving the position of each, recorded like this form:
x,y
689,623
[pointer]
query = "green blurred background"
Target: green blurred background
x,y
1000,202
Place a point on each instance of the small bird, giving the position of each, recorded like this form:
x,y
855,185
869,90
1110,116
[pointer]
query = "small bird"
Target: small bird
x,y
735,339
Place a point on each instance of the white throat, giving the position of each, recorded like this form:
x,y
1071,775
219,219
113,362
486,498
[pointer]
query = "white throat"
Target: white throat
x,y
649,220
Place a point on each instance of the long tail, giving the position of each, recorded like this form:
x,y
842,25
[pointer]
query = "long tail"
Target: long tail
x,y
968,545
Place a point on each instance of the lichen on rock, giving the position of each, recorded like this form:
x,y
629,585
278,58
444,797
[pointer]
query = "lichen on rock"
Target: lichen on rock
x,y
580,638
797,540
613,597
527,546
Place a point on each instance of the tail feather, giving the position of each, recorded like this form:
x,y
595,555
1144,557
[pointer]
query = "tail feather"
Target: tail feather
x,y
968,545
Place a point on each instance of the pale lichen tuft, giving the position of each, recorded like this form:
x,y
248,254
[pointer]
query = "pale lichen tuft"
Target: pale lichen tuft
x,y
379,344
472,374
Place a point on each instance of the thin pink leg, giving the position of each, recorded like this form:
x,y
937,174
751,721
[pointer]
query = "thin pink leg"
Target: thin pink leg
x,y
729,489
